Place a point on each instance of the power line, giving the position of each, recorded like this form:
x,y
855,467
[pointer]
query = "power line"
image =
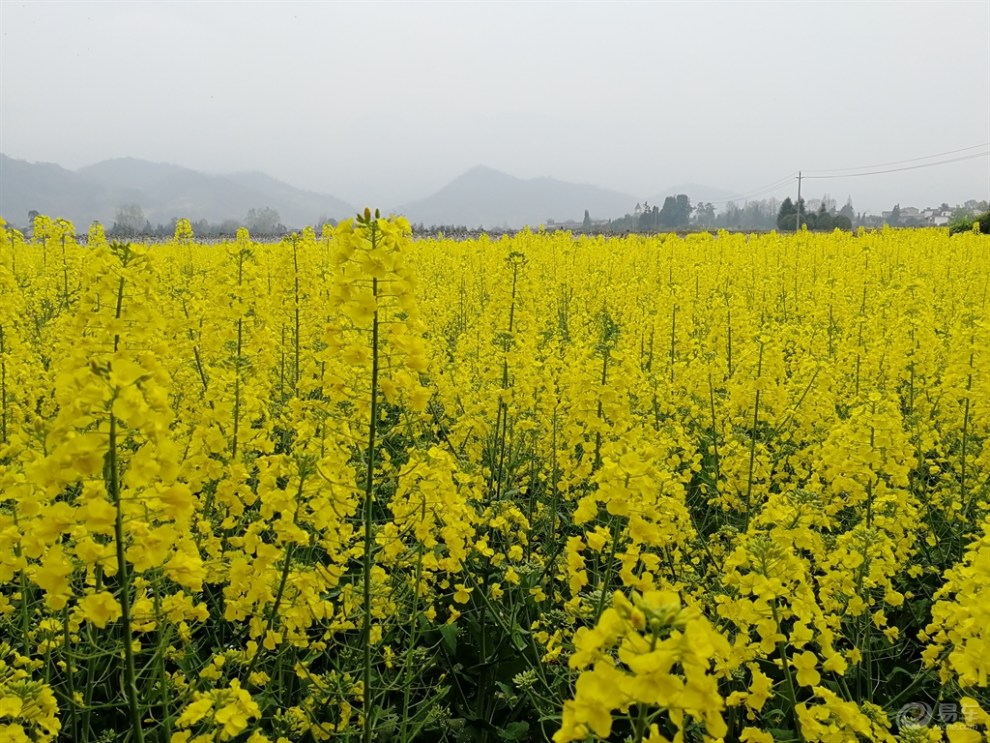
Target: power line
x,y
898,170
779,183
759,191
900,162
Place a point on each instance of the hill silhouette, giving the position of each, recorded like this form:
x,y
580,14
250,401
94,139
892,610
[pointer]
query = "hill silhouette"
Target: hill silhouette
x,y
163,192
490,198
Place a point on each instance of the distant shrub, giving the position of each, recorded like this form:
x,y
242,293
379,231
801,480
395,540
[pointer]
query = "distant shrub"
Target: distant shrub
x,y
842,222
965,224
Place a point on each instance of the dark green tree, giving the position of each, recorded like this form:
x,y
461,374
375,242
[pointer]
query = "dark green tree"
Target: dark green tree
x,y
129,221
787,216
587,220
667,216
263,221
649,219
848,211
684,210
823,220
705,214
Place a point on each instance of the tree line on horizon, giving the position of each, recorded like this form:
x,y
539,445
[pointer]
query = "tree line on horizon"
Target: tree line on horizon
x,y
822,215
676,214
794,216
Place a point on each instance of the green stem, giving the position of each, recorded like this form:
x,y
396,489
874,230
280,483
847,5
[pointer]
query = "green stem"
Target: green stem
x,y
869,484
113,490
718,462
413,638
369,495
237,366
963,500
3,388
130,683
196,355
728,340
158,661
600,414
69,675
65,277
283,580
673,341
295,266
502,418
281,367
554,492
788,677
199,368
752,442
237,390
607,567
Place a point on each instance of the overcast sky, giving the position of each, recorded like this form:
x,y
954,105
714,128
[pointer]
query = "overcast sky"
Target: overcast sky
x,y
383,102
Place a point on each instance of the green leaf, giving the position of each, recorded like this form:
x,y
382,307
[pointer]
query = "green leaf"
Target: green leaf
x,y
449,634
514,730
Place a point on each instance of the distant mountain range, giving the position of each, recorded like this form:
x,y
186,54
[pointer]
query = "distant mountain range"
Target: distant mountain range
x,y
481,197
489,198
162,191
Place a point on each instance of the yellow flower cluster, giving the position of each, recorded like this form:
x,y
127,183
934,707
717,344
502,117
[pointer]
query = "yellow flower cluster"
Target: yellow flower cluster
x,y
665,655
960,628
28,708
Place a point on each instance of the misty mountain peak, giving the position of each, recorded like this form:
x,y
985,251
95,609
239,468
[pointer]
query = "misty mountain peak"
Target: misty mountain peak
x,y
163,191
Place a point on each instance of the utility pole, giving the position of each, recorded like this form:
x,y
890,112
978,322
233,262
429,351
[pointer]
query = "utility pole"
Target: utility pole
x,y
797,219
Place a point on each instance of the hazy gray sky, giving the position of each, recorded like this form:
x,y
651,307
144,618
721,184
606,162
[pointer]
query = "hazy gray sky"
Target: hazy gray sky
x,y
383,102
